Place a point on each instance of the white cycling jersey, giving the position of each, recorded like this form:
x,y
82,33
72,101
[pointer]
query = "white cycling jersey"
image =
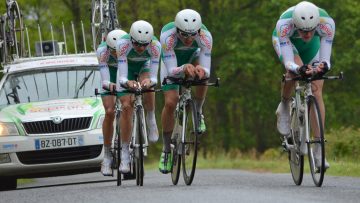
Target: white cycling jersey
x,y
286,34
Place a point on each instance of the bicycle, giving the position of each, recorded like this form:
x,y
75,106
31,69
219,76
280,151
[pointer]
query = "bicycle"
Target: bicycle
x,y
11,32
103,20
116,146
185,136
303,130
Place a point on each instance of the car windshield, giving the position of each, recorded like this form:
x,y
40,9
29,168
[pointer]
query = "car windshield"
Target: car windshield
x,y
33,86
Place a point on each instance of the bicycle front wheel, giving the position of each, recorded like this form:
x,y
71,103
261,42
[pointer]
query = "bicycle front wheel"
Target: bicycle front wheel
x,y
296,159
139,154
190,144
315,144
176,157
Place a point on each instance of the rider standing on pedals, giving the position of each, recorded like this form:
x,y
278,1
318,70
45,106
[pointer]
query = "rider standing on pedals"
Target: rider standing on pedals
x,y
106,54
138,54
186,51
303,35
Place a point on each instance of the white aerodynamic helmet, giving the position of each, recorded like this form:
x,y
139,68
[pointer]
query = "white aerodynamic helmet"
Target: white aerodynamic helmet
x,y
188,20
306,16
142,31
113,36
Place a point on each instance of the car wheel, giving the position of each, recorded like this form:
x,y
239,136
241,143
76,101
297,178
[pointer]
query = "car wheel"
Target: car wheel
x,y
8,183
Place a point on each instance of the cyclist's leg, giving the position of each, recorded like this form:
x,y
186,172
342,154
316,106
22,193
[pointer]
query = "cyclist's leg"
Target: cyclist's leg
x,y
127,109
125,129
149,106
167,118
283,109
107,129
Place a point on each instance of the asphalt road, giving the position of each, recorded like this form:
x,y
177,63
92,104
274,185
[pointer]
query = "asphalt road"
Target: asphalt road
x,y
208,186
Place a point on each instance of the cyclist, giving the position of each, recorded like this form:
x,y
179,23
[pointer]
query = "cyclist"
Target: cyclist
x,y
138,53
186,51
106,54
303,35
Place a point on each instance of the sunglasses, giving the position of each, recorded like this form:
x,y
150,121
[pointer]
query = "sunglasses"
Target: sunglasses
x,y
187,34
138,44
305,31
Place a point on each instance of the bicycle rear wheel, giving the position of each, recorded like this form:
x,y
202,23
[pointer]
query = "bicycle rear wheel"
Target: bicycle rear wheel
x,y
15,28
190,145
316,144
296,159
97,30
139,154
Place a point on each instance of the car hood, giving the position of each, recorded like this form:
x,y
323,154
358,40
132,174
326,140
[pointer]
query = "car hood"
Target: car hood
x,y
48,110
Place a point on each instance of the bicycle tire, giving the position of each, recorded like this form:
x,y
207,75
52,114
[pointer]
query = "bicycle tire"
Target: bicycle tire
x,y
97,30
3,40
317,173
140,153
296,159
113,24
190,144
176,156
118,150
16,32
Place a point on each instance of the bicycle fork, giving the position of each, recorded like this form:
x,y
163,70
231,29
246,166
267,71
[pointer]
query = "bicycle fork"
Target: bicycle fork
x,y
136,130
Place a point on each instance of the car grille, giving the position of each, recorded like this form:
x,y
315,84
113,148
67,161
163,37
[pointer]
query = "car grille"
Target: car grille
x,y
48,126
59,155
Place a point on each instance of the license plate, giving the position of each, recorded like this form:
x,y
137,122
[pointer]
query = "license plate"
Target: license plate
x,y
60,142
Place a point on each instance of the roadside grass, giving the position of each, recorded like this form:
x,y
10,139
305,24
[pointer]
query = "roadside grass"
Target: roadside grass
x,y
342,152
266,164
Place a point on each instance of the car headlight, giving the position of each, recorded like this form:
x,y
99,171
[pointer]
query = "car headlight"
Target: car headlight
x,y
100,121
8,129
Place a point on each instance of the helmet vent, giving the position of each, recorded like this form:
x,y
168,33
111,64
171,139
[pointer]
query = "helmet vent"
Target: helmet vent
x,y
139,31
114,38
194,20
186,20
311,17
303,18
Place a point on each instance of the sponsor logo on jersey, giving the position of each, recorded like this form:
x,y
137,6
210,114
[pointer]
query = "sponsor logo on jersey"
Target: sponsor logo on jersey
x,y
326,29
205,40
169,42
123,49
154,50
122,61
284,43
104,56
167,56
284,30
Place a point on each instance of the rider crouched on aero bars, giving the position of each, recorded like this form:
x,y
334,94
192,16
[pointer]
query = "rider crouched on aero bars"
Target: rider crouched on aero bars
x,y
106,54
303,35
186,52
138,54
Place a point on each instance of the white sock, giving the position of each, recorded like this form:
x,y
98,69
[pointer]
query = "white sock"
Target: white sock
x,y
150,117
107,152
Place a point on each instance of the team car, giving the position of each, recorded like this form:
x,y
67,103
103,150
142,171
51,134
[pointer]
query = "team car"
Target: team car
x,y
50,118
